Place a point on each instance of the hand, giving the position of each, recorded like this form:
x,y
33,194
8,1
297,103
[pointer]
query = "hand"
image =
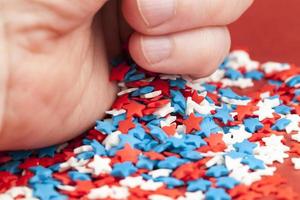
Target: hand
x,y
53,57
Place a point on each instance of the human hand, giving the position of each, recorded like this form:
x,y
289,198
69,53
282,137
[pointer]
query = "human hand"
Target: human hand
x,y
53,57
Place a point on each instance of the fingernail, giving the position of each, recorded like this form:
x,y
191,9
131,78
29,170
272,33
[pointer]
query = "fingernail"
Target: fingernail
x,y
157,49
156,12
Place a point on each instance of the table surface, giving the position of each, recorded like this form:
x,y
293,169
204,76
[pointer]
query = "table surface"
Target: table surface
x,y
270,30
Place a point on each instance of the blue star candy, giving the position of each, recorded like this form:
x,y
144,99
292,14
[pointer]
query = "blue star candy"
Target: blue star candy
x,y
98,148
158,133
171,182
145,163
48,151
293,81
223,114
177,142
75,176
47,192
123,169
216,194
116,119
283,109
171,162
41,174
191,155
138,131
19,155
227,182
179,82
199,184
217,171
126,138
245,147
233,74
228,93
252,124
194,140
178,101
105,126
85,155
280,124
12,167
208,126
255,75
253,162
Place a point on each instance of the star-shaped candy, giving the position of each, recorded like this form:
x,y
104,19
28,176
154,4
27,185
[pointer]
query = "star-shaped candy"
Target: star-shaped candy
x,y
223,114
296,137
192,123
252,124
264,112
244,110
227,182
296,162
281,124
134,108
253,162
199,184
217,171
128,154
100,165
245,147
123,169
217,194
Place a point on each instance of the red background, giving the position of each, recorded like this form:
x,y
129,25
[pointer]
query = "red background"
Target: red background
x,y
270,30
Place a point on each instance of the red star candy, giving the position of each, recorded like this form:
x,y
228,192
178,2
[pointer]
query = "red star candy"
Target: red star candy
x,y
134,108
126,125
192,123
128,154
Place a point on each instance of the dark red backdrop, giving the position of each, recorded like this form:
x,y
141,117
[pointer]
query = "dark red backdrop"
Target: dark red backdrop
x,y
270,30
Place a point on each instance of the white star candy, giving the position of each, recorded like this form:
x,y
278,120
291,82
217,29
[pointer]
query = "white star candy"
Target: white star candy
x,y
99,193
100,165
14,192
294,124
296,137
236,135
83,148
240,82
192,196
112,140
68,188
164,111
72,163
159,197
152,94
150,185
132,182
160,173
216,160
105,192
296,162
264,112
232,163
270,67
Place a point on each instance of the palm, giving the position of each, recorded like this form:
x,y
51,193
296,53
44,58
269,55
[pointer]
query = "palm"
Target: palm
x,y
57,87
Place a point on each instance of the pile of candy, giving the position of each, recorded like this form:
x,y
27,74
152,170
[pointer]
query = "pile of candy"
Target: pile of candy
x,y
172,137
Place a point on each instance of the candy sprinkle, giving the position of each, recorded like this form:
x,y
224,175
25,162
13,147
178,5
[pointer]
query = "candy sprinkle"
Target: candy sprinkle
x,y
173,137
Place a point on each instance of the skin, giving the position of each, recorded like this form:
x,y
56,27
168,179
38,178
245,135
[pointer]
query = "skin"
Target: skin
x,y
54,56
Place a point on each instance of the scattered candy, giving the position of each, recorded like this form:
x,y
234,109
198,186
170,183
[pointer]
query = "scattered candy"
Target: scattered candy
x,y
173,137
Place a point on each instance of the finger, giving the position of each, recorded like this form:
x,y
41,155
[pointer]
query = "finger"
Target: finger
x,y
168,16
197,52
